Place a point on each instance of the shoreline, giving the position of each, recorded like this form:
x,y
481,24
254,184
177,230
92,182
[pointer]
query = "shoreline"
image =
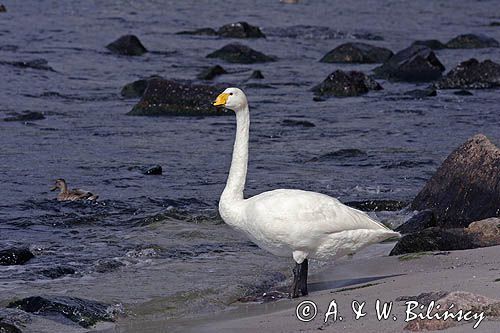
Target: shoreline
x,y
362,278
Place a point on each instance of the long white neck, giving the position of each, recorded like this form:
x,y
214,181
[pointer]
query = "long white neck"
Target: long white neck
x,y
238,172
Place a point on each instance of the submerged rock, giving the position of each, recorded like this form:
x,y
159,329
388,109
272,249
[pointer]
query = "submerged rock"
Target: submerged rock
x,y
297,123
199,32
433,44
15,256
239,53
127,45
414,64
211,73
339,154
170,98
422,93
357,53
472,41
256,75
423,220
378,205
40,64
84,312
3,9
463,93
57,272
154,170
26,116
465,187
240,30
472,74
344,84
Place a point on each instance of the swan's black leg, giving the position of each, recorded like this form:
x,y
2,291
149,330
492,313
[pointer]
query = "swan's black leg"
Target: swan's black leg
x,y
303,277
299,280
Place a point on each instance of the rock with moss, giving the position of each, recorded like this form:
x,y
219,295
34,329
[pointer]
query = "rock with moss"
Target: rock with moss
x,y
472,74
172,98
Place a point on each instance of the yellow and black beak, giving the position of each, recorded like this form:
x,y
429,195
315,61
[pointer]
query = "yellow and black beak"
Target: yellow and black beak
x,y
221,99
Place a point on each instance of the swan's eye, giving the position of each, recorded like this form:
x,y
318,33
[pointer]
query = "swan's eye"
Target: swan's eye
x,y
231,94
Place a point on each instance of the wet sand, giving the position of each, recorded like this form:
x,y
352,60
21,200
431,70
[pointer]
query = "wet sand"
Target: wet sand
x,y
361,278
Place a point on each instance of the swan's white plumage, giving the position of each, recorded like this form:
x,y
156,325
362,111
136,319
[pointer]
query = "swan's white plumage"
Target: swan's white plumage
x,y
287,222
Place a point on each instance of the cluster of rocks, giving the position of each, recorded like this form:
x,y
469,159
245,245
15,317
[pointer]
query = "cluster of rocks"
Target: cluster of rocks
x,y
459,205
232,30
465,41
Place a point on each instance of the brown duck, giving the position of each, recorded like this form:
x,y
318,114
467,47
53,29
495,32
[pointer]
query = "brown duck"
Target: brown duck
x,y
71,195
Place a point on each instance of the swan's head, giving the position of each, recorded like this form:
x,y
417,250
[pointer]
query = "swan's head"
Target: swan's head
x,y
232,98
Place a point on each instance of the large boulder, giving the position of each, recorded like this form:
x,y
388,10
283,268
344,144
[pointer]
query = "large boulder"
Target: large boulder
x,y
472,74
211,72
171,98
357,53
137,88
416,63
344,84
465,188
128,45
241,54
471,41
84,312
240,30
15,256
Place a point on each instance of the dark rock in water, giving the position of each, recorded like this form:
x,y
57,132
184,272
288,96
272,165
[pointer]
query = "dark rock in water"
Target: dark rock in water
x,y
413,64
5,327
40,64
423,220
299,123
472,74
472,41
345,84
154,170
494,24
367,36
357,53
242,54
319,99
127,45
107,265
378,205
339,154
57,272
26,116
137,88
170,98
465,187
3,9
240,30
433,44
83,312
463,93
433,239
15,256
422,93
211,73
256,75
199,32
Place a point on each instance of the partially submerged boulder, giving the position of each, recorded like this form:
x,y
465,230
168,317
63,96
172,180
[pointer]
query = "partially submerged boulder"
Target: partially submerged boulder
x,y
240,30
465,187
416,63
128,45
422,93
137,88
211,72
39,64
472,74
3,9
84,312
345,84
357,53
472,41
485,232
26,116
256,75
15,256
241,54
171,98
430,43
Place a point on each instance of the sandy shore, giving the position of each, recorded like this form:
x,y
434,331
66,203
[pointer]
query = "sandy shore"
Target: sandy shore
x,y
364,279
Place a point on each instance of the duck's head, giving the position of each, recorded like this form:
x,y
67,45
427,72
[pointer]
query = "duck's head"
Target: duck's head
x,y
232,99
59,184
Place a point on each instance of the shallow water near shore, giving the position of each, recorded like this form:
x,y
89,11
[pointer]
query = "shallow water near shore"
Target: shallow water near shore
x,y
157,240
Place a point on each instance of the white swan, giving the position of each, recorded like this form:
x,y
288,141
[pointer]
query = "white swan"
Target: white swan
x,y
286,222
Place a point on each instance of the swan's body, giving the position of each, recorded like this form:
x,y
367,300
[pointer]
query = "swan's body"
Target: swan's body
x,y
287,222
75,194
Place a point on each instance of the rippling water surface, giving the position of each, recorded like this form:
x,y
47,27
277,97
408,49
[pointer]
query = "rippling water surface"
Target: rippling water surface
x,y
157,239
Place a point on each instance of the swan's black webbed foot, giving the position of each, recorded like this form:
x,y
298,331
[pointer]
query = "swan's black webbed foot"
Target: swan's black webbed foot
x,y
299,280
